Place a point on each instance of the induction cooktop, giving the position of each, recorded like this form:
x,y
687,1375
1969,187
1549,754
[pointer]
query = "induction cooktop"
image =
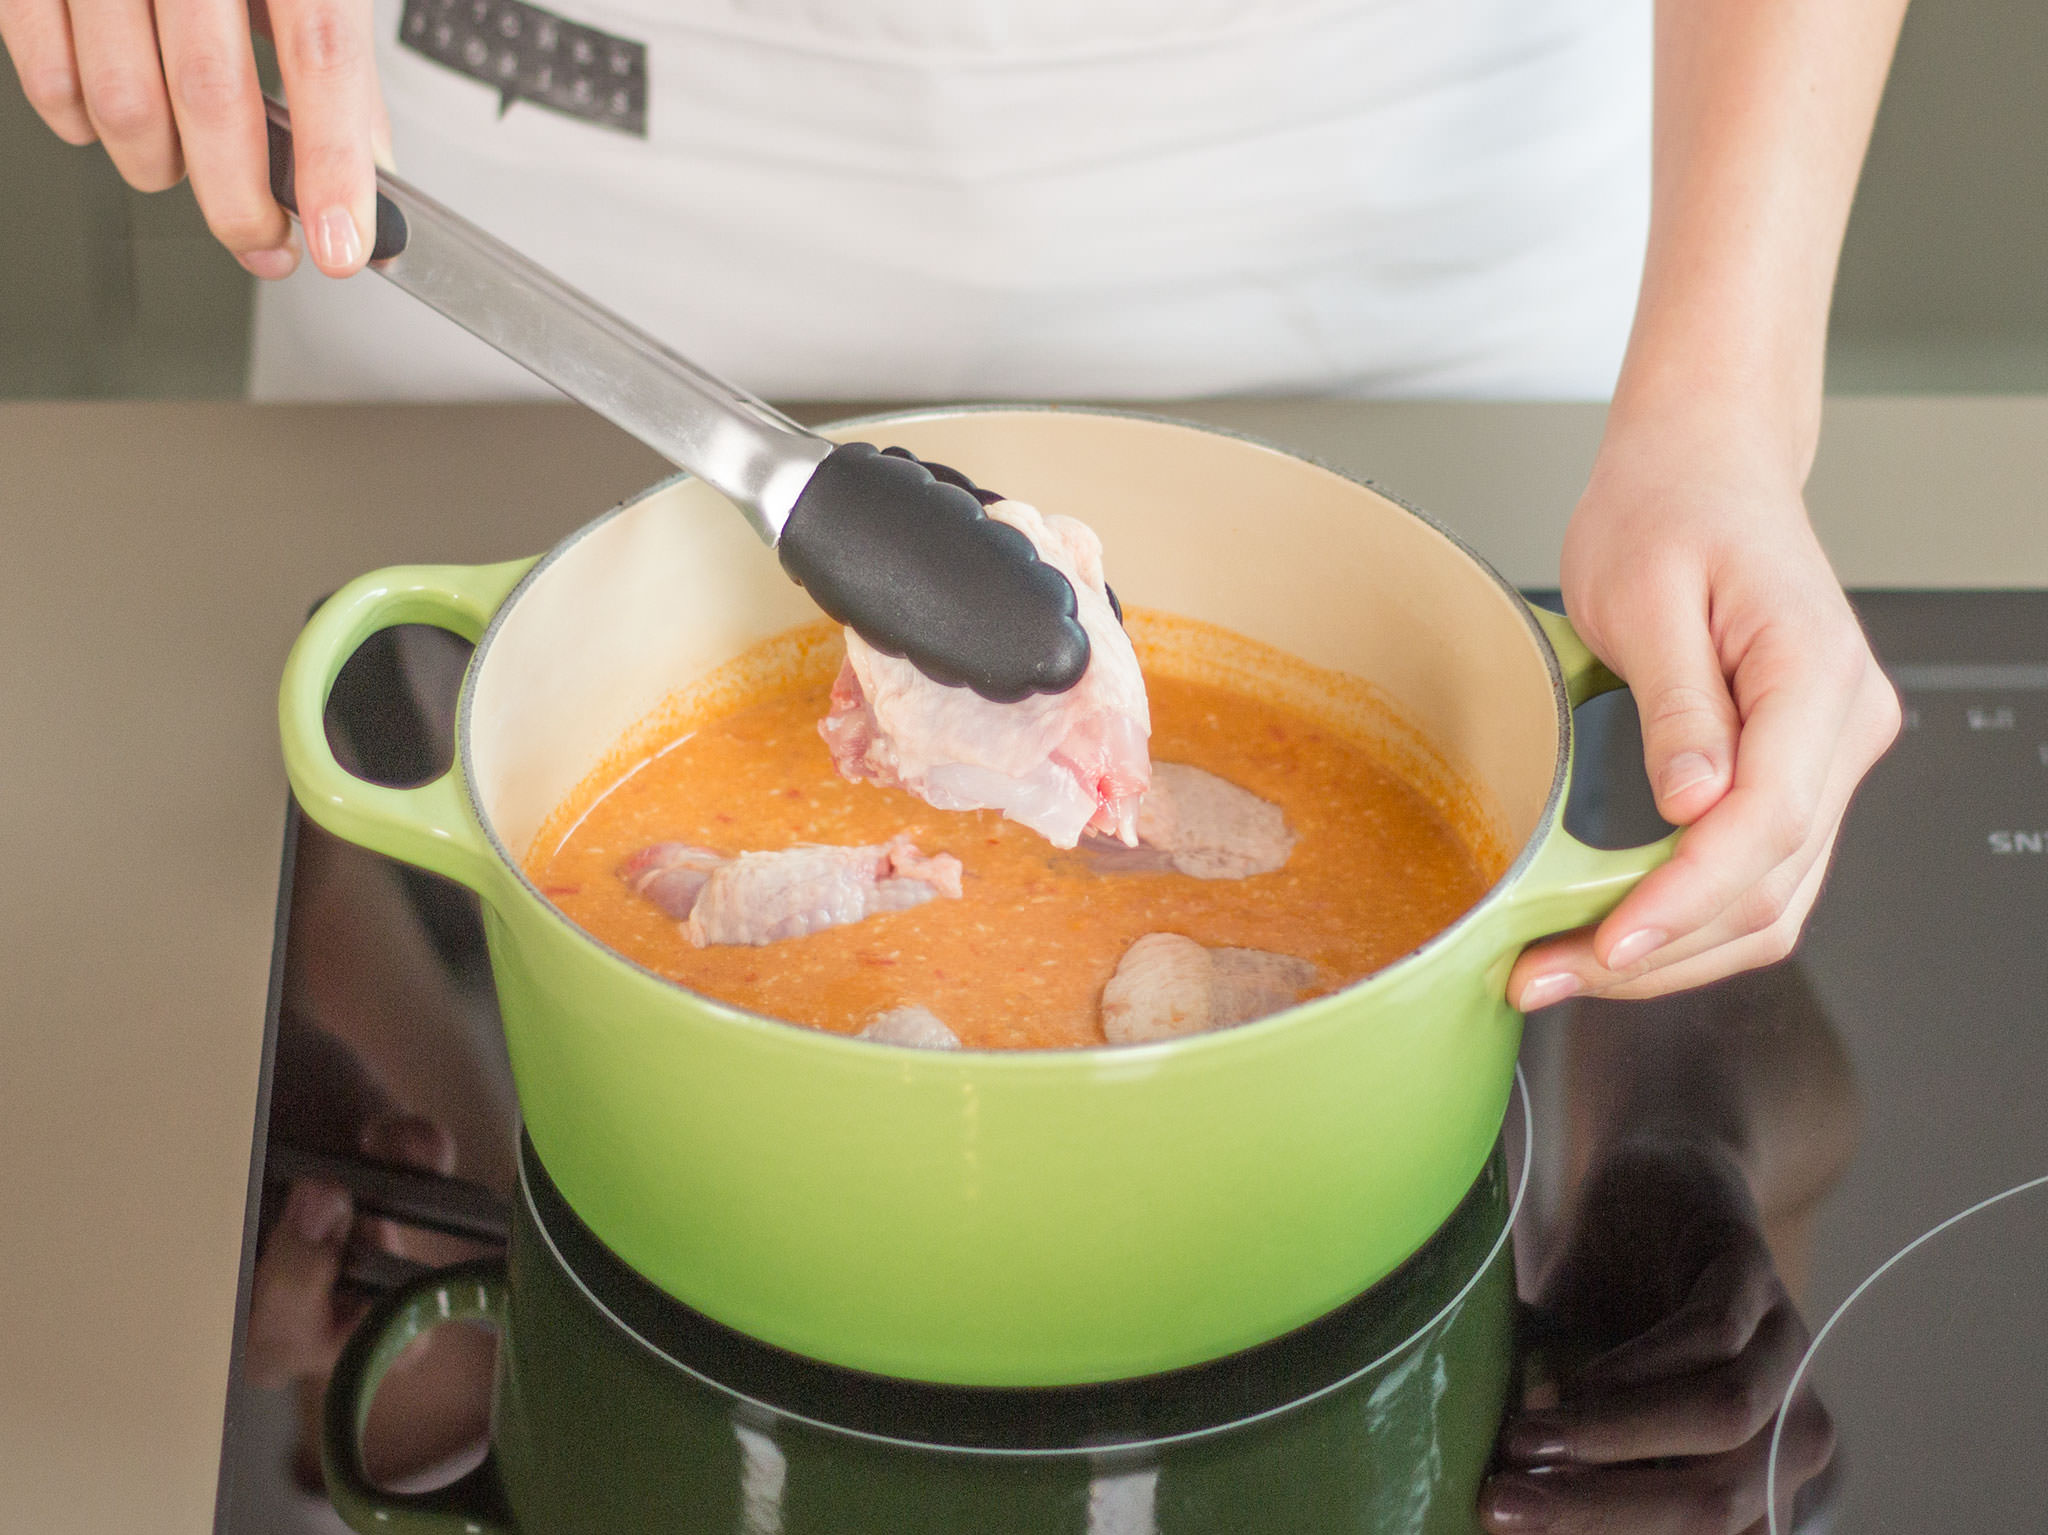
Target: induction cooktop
x,y
1779,1247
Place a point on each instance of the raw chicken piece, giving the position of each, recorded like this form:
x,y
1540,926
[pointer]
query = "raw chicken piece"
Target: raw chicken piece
x,y
762,898
759,898
1195,823
670,874
1056,762
918,1027
1167,985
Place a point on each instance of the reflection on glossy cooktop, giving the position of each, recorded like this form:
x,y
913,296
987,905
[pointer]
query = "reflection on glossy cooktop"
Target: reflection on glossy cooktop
x,y
1712,1175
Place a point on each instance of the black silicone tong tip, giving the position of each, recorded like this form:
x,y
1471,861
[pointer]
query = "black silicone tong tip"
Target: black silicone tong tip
x,y
946,474
903,552
952,476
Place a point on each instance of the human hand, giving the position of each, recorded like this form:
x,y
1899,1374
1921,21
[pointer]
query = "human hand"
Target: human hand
x,y
1671,1341
435,1402
1691,570
172,88
298,1320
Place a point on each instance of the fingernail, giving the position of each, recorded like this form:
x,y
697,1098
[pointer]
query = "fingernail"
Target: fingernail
x,y
1630,947
1535,1441
335,241
319,1212
1518,1503
1685,771
1549,990
269,265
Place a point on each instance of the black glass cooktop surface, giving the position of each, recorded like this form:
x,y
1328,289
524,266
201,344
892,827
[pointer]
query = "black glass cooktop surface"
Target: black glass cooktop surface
x,y
1711,1177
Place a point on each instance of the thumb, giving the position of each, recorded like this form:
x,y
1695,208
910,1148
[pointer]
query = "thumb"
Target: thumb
x,y
1689,719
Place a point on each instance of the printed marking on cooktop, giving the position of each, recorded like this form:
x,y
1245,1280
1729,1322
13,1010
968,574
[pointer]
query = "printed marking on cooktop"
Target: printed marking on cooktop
x,y
2000,718
2000,677
2006,843
527,54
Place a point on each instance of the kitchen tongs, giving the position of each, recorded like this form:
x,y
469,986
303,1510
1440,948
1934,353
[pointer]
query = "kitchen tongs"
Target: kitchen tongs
x,y
900,550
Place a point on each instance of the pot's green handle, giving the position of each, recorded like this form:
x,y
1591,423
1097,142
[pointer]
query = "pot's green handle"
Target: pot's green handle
x,y
1571,884
430,825
473,1504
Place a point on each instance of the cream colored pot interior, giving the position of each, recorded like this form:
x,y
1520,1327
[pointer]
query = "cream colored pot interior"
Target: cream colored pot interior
x,y
1194,523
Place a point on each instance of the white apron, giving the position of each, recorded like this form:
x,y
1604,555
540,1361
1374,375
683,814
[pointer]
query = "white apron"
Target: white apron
x,y
842,199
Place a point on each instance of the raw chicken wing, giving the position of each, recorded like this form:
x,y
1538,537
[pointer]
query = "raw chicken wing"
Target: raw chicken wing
x,y
670,874
762,898
1167,985
1195,823
918,1027
759,898
1059,763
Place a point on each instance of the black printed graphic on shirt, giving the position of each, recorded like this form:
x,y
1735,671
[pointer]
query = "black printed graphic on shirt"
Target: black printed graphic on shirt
x,y
527,54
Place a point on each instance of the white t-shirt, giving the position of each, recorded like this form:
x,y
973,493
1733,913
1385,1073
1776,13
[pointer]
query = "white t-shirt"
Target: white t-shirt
x,y
1045,198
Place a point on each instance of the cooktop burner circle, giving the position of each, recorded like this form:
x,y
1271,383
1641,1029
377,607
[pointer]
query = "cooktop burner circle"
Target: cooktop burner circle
x,y
1939,1347
1180,1406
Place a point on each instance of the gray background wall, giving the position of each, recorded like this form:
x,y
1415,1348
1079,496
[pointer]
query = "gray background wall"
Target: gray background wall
x,y
1944,281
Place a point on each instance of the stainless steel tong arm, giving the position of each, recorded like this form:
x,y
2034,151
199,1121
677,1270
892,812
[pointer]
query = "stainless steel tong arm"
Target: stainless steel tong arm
x,y
899,550
744,448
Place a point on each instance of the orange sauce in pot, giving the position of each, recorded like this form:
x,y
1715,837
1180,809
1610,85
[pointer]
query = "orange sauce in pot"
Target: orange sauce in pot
x,y
1377,868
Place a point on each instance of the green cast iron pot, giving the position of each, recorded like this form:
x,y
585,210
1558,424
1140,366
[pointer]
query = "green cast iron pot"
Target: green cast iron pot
x,y
984,1217
610,1414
